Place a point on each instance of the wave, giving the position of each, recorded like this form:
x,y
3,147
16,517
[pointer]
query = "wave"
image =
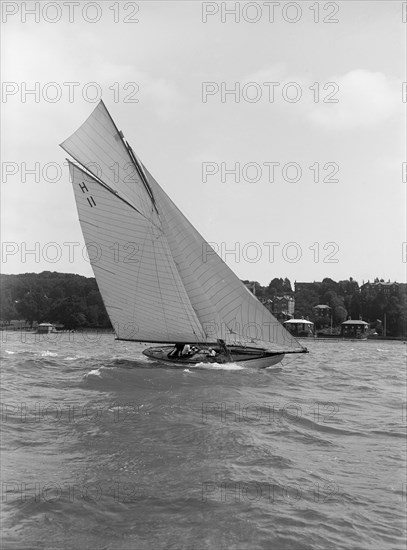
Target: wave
x,y
94,372
218,366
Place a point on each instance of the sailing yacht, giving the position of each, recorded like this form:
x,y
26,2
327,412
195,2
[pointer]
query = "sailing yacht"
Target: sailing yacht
x,y
158,282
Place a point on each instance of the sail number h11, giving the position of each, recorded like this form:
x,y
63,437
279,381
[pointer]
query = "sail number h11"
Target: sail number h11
x,y
90,199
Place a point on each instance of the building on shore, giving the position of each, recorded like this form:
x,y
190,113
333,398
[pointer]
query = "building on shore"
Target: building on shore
x,y
354,328
283,305
322,316
299,287
386,287
302,328
322,310
45,328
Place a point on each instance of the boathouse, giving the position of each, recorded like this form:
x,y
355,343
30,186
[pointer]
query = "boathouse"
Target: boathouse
x,y
45,328
300,327
354,328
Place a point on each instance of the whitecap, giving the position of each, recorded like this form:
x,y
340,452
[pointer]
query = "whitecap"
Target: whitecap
x,y
94,372
220,366
48,354
10,352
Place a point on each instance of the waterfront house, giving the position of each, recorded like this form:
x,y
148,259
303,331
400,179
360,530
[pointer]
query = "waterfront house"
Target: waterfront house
x,y
354,328
300,327
45,328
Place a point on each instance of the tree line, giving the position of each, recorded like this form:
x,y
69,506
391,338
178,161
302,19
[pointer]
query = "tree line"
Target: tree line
x,y
70,300
383,306
75,302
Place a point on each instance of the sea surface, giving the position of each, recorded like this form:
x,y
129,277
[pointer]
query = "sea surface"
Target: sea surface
x,y
104,449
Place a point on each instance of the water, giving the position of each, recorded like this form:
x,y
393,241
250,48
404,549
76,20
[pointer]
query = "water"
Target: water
x,y
103,449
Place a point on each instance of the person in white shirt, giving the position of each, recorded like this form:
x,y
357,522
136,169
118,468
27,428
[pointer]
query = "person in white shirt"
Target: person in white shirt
x,y
186,350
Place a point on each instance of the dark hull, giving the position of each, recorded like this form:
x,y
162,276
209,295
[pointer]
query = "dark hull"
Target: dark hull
x,y
247,357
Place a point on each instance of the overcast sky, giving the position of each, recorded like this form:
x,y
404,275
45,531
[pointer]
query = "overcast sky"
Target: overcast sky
x,y
316,85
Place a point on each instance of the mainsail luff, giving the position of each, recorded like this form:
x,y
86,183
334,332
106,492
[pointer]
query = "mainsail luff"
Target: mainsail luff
x,y
173,295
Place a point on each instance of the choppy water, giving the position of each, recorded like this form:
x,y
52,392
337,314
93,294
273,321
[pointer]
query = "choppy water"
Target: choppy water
x,y
103,449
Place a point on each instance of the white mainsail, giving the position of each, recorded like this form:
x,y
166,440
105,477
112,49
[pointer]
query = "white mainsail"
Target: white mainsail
x,y
159,279
134,268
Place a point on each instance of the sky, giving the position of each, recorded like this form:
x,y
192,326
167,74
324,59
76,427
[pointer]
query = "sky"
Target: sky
x,y
278,128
